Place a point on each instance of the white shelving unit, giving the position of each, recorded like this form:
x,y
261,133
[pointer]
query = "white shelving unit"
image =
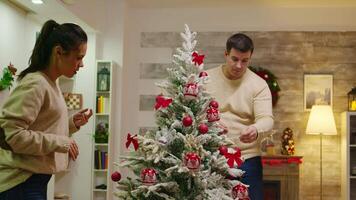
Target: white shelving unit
x,y
348,155
102,186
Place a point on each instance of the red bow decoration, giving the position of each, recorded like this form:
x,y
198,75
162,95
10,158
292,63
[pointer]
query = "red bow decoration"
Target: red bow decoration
x,y
198,59
162,102
234,157
132,139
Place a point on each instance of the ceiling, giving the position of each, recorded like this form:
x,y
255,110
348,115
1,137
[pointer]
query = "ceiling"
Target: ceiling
x,y
229,3
51,9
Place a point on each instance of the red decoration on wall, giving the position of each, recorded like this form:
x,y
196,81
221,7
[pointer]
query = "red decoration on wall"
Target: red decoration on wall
x,y
271,80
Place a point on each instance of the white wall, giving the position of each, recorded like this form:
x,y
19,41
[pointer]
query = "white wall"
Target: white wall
x,y
17,37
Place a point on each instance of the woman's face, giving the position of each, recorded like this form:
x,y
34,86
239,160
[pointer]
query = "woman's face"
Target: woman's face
x,y
70,62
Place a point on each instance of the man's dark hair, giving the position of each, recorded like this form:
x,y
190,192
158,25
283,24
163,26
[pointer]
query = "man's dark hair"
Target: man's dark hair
x,y
240,42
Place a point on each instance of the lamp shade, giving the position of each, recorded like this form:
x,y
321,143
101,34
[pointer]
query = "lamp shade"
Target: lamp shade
x,y
321,121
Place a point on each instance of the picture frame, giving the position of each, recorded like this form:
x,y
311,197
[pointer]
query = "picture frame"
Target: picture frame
x,y
318,90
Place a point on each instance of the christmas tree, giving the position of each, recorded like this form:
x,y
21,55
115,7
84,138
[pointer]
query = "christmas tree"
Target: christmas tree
x,y
187,156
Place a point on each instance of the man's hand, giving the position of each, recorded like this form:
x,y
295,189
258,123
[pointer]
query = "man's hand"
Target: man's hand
x,y
224,127
249,134
81,118
73,150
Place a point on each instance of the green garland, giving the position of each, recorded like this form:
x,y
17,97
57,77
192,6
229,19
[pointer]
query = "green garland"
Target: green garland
x,y
271,80
6,79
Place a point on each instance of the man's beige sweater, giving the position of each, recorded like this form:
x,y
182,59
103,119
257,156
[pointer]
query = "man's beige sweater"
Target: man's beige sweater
x,y
242,102
36,125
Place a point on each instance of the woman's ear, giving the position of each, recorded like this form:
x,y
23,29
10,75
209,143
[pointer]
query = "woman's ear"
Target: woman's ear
x,y
58,50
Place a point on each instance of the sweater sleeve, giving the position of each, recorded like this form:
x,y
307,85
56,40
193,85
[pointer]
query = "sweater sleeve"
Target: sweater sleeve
x,y
19,112
262,106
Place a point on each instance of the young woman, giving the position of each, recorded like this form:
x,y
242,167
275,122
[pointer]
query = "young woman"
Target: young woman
x,y
34,119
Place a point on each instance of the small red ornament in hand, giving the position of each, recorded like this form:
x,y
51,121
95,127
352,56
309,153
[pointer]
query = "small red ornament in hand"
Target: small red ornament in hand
x,y
214,104
187,121
212,114
116,176
190,90
149,176
203,128
240,192
192,161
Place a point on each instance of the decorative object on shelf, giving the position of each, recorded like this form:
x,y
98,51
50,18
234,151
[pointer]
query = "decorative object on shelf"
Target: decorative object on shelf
x,y
149,176
101,133
287,142
7,78
103,79
116,176
271,80
101,187
318,90
268,144
352,99
73,101
192,161
240,192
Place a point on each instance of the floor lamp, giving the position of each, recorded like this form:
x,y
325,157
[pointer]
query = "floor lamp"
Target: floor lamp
x,y
321,122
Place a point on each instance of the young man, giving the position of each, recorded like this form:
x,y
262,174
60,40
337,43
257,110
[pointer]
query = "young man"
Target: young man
x,y
245,106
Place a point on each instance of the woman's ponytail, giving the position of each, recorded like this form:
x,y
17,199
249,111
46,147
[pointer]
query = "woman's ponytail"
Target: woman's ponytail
x,y
69,36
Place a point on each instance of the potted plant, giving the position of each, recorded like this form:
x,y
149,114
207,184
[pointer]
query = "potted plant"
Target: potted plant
x,y
101,133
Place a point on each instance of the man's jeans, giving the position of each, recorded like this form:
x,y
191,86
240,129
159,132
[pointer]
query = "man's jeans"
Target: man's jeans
x,y
253,177
34,188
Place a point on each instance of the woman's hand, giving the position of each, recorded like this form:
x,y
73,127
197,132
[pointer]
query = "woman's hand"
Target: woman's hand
x,y
81,118
73,150
249,134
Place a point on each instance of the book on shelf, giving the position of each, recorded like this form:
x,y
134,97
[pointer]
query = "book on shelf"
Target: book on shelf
x,y
102,104
100,159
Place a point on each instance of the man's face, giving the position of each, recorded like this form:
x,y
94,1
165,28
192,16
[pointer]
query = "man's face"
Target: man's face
x,y
237,62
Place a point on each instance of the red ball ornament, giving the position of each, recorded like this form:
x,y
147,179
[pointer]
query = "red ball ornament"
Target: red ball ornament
x,y
187,121
149,176
116,176
203,128
191,90
203,74
192,161
223,150
240,191
214,104
212,114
